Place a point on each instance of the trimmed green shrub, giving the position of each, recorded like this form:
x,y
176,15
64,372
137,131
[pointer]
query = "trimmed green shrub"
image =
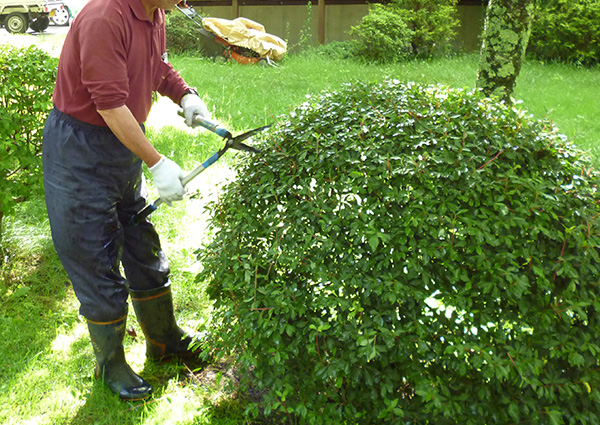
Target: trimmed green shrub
x,y
382,35
27,79
566,30
183,34
410,254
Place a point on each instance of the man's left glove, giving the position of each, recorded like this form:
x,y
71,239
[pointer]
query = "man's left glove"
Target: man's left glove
x,y
192,105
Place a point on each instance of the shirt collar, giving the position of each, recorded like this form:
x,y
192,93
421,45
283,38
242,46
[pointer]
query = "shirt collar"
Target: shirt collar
x,y
138,9
140,12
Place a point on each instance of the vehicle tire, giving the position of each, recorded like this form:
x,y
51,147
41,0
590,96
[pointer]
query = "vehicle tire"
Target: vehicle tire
x,y
16,23
62,17
40,24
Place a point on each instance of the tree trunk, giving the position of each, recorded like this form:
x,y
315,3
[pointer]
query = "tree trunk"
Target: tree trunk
x,y
505,37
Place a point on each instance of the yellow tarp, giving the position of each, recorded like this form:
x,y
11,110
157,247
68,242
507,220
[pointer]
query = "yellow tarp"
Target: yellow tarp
x,y
244,32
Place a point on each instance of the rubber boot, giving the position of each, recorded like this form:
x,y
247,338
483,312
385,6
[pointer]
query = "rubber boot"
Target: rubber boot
x,y
111,366
164,339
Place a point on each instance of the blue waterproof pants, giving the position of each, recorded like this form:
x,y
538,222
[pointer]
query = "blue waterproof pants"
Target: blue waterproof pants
x,y
93,186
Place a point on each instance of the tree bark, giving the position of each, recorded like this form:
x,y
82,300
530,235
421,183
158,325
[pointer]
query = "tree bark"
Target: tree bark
x,y
505,38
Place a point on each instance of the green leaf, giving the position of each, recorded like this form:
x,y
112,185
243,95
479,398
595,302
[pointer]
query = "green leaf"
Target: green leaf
x,y
374,242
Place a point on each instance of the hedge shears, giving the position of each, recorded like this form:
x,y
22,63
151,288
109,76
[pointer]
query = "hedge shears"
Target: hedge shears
x,y
230,143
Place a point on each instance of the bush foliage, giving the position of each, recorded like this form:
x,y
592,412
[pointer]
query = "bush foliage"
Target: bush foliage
x,y
434,23
411,254
26,83
382,36
338,50
393,31
566,30
183,35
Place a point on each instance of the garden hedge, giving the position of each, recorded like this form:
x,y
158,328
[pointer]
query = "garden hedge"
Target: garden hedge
x,y
27,77
411,254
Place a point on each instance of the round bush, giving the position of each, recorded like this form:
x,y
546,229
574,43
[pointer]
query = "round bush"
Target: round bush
x,y
410,254
382,36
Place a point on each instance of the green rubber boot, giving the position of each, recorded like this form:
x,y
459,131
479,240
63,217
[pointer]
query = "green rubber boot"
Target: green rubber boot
x,y
164,339
111,366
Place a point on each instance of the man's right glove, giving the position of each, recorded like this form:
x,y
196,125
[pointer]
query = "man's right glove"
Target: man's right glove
x,y
192,105
167,179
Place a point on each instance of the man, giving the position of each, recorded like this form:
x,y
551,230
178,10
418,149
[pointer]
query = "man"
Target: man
x,y
94,146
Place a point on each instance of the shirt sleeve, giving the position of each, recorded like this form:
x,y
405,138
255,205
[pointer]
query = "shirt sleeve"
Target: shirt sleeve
x,y
104,63
172,85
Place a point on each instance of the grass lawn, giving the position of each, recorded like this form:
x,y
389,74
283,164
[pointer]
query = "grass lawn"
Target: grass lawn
x,y
46,359
250,96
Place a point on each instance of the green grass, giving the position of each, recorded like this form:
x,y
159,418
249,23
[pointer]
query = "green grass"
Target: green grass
x,y
45,356
245,96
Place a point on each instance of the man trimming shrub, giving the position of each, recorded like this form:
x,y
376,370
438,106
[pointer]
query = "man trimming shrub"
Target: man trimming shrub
x,y
409,254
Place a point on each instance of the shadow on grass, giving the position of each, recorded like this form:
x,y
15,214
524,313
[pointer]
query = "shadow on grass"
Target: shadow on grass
x,y
174,400
46,359
35,308
33,294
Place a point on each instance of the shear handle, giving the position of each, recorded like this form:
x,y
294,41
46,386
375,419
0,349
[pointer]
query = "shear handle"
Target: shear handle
x,y
209,125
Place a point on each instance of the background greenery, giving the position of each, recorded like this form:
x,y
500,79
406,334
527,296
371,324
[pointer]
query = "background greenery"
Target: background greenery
x,y
25,90
46,359
566,31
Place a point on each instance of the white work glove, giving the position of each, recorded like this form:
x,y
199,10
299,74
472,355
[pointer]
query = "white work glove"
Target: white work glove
x,y
192,105
167,177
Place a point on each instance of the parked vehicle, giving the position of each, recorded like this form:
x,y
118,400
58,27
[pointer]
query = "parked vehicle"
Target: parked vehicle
x,y
60,13
18,15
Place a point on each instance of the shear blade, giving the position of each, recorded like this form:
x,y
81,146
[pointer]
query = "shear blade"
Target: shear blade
x,y
250,133
236,142
244,147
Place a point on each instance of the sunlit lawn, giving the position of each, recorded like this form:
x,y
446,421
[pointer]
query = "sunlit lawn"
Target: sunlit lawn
x,y
45,357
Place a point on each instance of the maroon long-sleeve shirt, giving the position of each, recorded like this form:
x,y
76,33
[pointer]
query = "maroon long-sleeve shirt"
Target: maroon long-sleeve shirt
x,y
113,56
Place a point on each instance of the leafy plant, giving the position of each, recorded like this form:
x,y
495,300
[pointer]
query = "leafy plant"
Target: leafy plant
x,y
567,30
382,36
411,254
183,35
336,50
434,23
305,36
391,32
26,82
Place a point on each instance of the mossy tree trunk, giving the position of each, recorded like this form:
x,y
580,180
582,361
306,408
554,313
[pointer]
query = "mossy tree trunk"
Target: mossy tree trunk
x,y
505,37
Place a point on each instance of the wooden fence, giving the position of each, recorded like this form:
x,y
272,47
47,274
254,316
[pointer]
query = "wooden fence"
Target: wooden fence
x,y
324,21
